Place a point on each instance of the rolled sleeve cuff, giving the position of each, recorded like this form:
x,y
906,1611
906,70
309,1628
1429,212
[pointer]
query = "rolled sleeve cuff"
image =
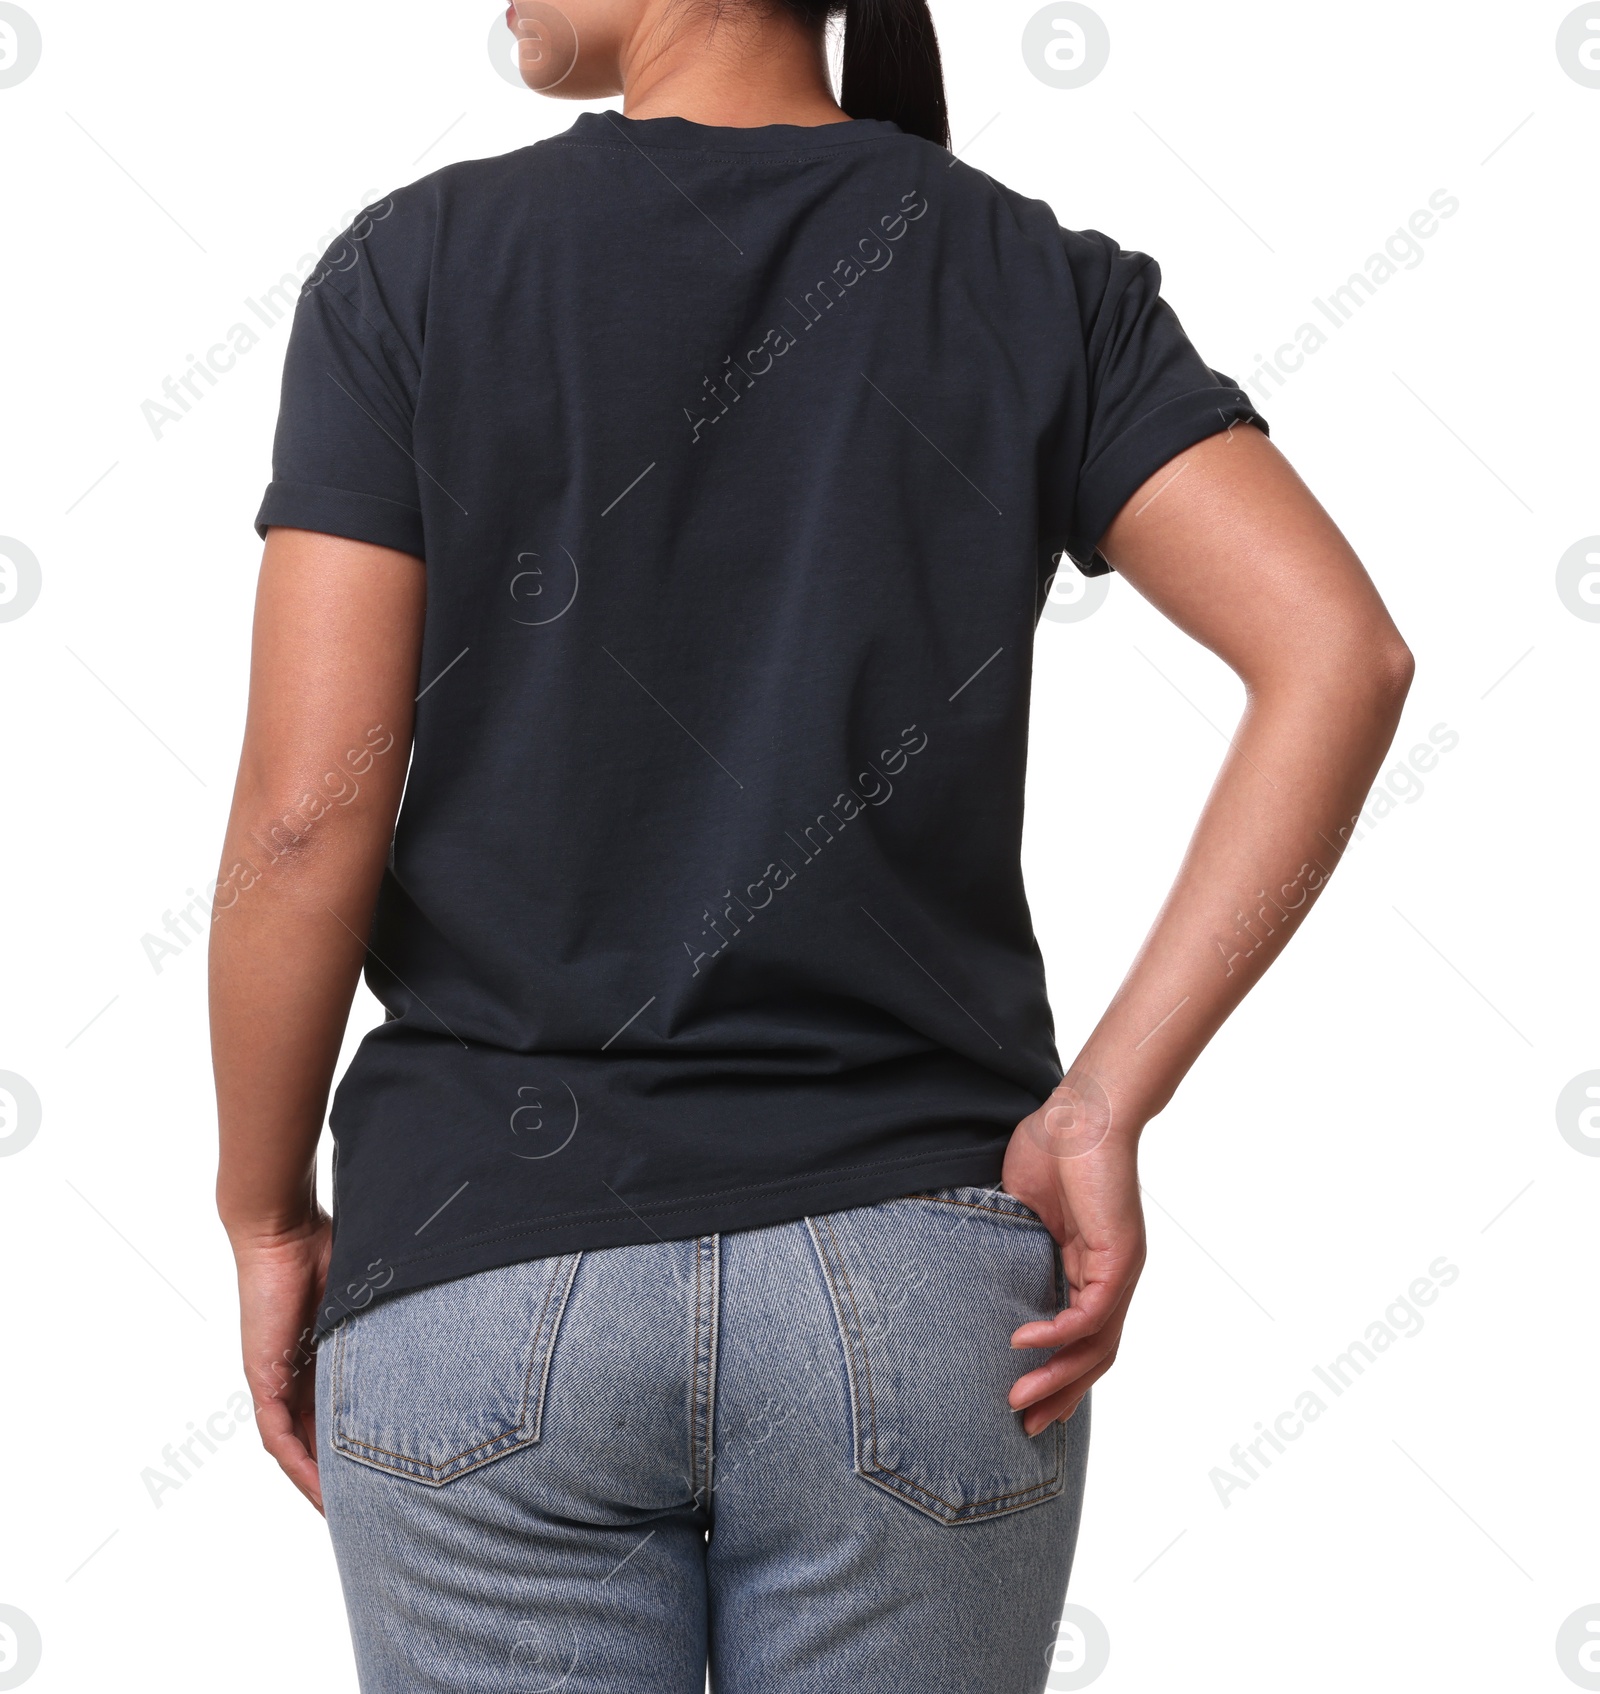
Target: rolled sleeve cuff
x,y
338,511
1111,479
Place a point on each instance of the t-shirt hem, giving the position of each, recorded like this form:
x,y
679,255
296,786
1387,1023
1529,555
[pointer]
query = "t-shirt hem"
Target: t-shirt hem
x,y
1117,473
755,1206
341,511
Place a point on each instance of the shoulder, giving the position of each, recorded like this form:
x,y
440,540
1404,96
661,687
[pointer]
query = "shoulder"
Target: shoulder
x,y
389,246
1091,266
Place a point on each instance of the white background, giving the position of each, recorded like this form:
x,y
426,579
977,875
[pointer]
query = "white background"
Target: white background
x,y
1386,1097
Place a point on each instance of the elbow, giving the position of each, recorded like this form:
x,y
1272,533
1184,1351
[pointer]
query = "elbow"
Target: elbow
x,y
304,851
1378,675
1392,667
1361,673
1371,662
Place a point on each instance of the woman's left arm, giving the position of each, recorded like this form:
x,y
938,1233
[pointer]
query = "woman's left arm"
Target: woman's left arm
x,y
1229,544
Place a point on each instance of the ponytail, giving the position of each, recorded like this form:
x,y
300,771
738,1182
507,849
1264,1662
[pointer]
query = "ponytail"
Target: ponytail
x,y
891,61
892,68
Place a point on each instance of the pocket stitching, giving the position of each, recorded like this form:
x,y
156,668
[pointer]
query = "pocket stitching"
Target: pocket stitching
x,y
1051,1485
1027,1215
428,1471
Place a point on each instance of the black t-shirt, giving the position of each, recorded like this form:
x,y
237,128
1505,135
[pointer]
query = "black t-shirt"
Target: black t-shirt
x,y
740,460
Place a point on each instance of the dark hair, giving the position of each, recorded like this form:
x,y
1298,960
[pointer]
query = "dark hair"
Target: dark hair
x,y
892,69
891,62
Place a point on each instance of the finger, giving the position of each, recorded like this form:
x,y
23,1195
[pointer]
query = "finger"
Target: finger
x,y
1060,1407
1073,1363
1057,1409
308,1421
282,1439
1092,1306
1067,1367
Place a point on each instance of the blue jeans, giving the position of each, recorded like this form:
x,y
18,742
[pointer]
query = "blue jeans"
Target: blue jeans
x,y
785,1453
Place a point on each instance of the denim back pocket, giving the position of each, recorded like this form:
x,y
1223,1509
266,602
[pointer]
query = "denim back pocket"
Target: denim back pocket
x,y
435,1383
927,1291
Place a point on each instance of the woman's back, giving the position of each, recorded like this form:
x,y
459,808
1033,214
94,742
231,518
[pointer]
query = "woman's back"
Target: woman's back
x,y
738,459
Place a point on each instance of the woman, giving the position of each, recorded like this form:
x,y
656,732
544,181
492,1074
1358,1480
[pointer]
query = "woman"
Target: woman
x,y
723,1255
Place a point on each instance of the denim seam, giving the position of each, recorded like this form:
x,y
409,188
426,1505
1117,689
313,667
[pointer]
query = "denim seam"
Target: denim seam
x,y
548,1345
543,1349
713,1326
694,1388
707,1279
855,1343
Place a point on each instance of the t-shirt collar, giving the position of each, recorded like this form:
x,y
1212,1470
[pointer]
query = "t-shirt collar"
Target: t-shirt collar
x,y
612,126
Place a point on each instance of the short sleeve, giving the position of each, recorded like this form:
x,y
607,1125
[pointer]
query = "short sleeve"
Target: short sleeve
x,y
341,457
1151,395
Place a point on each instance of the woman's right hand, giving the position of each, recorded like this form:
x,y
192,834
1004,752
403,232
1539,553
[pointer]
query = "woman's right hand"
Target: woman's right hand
x,y
1080,1174
281,1281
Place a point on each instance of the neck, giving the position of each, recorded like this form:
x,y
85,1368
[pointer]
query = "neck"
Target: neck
x,y
747,67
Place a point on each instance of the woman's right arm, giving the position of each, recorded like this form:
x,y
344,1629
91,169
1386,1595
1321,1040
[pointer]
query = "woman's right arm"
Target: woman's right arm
x,y
1229,544
333,676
